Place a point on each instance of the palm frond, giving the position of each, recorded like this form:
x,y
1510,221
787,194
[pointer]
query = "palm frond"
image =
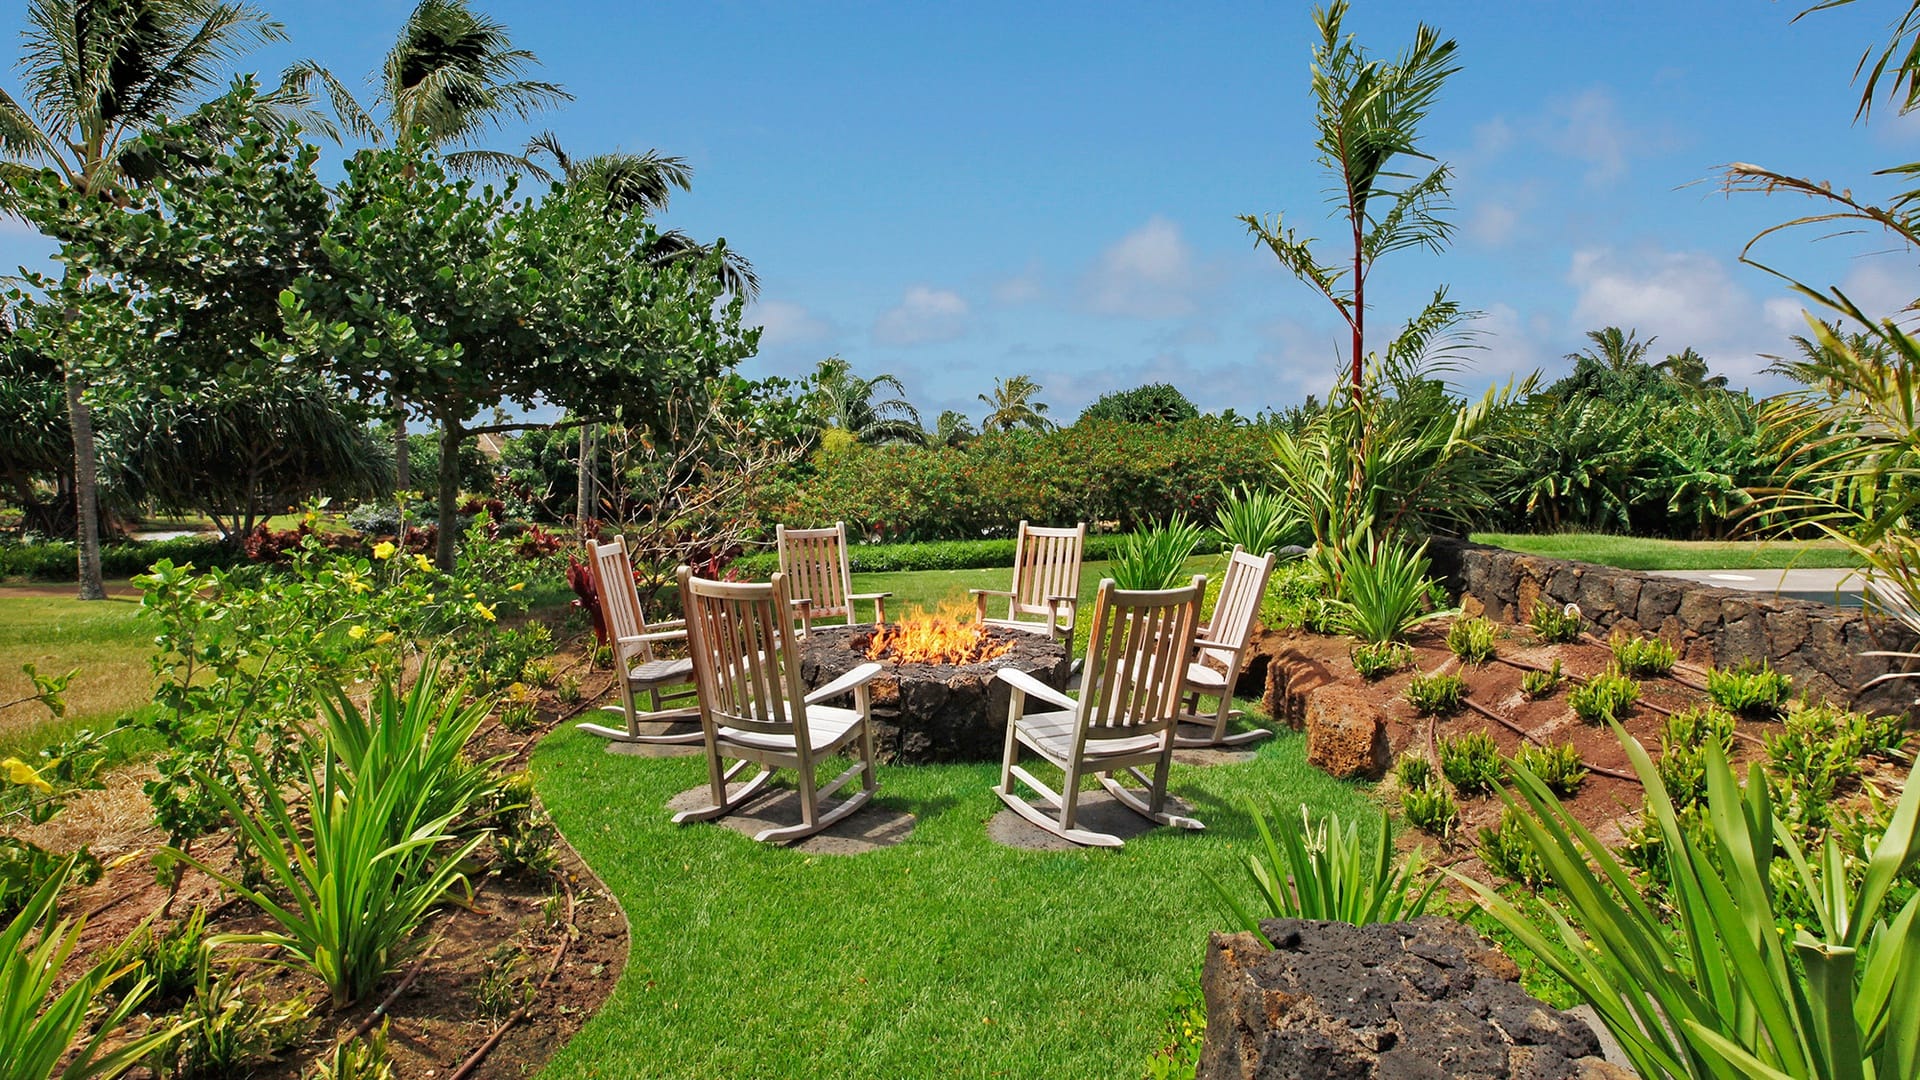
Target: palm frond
x,y
299,79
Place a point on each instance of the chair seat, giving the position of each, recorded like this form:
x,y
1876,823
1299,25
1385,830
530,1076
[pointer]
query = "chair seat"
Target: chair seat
x,y
827,728
1032,626
1051,734
655,672
1200,675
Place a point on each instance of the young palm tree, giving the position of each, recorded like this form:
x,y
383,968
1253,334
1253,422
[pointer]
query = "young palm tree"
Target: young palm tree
x,y
846,401
1615,349
1689,369
1013,406
95,75
953,429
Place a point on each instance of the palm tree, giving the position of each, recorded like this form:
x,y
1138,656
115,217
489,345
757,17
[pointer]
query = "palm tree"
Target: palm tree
x,y
953,428
1689,369
846,401
96,74
1013,406
1615,349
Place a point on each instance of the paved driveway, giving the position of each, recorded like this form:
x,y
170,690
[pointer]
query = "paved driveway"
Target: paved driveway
x,y
1840,588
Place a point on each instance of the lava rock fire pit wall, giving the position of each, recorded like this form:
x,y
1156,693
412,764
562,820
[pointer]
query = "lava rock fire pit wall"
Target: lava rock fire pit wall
x,y
1819,645
926,713
1426,998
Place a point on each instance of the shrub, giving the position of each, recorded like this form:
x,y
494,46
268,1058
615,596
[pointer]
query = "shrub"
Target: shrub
x,y
1383,595
1472,763
1373,661
1257,519
1641,657
1539,685
1152,403
538,673
1413,770
1471,639
414,741
1297,598
1507,851
1554,623
523,836
1743,995
1432,695
1431,809
57,560
1817,753
1154,558
357,1059
1558,766
1750,689
567,692
1605,698
926,555
1324,871
1683,751
41,1032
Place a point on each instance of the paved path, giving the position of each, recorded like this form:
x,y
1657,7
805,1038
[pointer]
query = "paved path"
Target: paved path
x,y
1840,588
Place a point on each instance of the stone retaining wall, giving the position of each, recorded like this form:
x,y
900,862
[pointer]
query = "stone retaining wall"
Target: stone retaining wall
x,y
1819,645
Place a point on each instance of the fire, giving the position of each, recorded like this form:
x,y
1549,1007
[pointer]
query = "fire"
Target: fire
x,y
949,636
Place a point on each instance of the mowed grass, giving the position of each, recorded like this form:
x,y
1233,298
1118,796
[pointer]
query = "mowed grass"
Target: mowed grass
x,y
1638,553
103,642
947,955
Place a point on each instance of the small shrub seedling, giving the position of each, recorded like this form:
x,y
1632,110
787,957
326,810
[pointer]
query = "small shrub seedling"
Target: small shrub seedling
x,y
1556,624
1472,763
1376,660
1750,689
1413,771
1508,852
1640,657
1558,766
1539,685
1436,695
1605,698
1471,640
1431,809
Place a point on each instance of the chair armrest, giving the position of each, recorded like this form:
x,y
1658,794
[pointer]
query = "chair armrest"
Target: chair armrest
x,y
661,635
989,592
852,680
869,595
1033,687
668,624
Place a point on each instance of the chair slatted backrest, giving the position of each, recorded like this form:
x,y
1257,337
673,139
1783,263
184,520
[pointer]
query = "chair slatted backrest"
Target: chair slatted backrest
x,y
1137,659
1046,562
1234,610
815,563
741,636
619,600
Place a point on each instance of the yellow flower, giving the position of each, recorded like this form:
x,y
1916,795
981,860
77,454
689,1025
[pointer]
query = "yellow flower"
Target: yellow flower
x,y
422,562
384,638
384,549
356,632
23,774
483,611
516,586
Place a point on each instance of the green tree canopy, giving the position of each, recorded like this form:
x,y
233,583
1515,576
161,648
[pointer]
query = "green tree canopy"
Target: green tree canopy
x,y
1153,403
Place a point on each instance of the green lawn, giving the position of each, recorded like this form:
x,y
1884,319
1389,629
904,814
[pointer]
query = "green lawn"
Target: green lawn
x,y
947,955
102,641
1637,553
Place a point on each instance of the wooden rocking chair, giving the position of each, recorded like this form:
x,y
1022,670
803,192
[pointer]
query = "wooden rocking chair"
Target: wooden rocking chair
x,y
1223,642
753,707
1046,579
640,672
818,577
1136,664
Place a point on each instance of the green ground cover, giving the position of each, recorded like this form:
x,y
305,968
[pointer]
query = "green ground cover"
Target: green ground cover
x,y
1639,553
947,955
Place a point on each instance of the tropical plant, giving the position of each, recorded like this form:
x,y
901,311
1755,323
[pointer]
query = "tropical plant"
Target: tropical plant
x,y
1154,558
852,404
1541,684
1471,639
1558,766
169,961
1012,406
1375,659
1604,698
1436,695
1683,752
953,429
233,1028
1431,809
1383,594
1614,349
1743,995
357,1059
413,739
95,75
1325,871
1641,657
43,1033
1413,770
1257,519
1506,850
1368,114
1153,403
1750,689
1556,624
1472,763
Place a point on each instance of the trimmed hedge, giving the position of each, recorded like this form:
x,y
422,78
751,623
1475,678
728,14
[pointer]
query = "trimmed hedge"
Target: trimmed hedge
x,y
56,560
934,555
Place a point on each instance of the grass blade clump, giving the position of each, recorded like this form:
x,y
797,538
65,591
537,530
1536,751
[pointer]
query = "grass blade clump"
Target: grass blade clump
x,y
1436,695
1752,690
1257,519
1471,640
1605,698
1641,657
1154,558
1383,593
1305,870
1556,624
1472,763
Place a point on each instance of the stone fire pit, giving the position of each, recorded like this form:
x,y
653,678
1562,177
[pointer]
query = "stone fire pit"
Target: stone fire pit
x,y
935,712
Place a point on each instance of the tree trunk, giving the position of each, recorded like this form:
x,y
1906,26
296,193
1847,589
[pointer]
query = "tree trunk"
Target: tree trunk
x,y
1359,312
86,488
584,508
450,436
402,476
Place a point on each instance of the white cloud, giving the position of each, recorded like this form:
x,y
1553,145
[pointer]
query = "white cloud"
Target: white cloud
x,y
1509,345
1493,223
1684,297
1150,273
1024,287
1588,127
923,316
788,323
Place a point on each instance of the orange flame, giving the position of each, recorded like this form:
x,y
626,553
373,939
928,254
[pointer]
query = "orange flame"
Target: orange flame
x,y
949,636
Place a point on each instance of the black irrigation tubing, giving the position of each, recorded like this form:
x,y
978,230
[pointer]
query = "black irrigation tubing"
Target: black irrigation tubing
x,y
566,938
380,1010
1535,739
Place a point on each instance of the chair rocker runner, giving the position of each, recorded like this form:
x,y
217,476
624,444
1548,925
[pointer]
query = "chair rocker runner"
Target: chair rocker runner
x,y
1046,580
1223,642
1136,664
754,708
640,672
818,576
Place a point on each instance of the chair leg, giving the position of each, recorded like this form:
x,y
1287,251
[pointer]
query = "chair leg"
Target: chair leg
x,y
1224,712
659,715
1153,807
723,804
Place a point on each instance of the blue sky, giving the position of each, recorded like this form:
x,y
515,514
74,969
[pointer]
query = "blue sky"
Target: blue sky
x,y
955,193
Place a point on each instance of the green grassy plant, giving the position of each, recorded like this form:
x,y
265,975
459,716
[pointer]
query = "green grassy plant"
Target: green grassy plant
x,y
1605,698
169,961
1540,685
1258,519
1431,809
1413,770
1374,661
1155,558
1555,624
1744,995
357,1059
567,692
1683,751
1325,871
232,1029
1749,689
1298,598
412,741
1558,766
1506,850
1471,639
1641,657
1472,763
1383,594
1436,695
